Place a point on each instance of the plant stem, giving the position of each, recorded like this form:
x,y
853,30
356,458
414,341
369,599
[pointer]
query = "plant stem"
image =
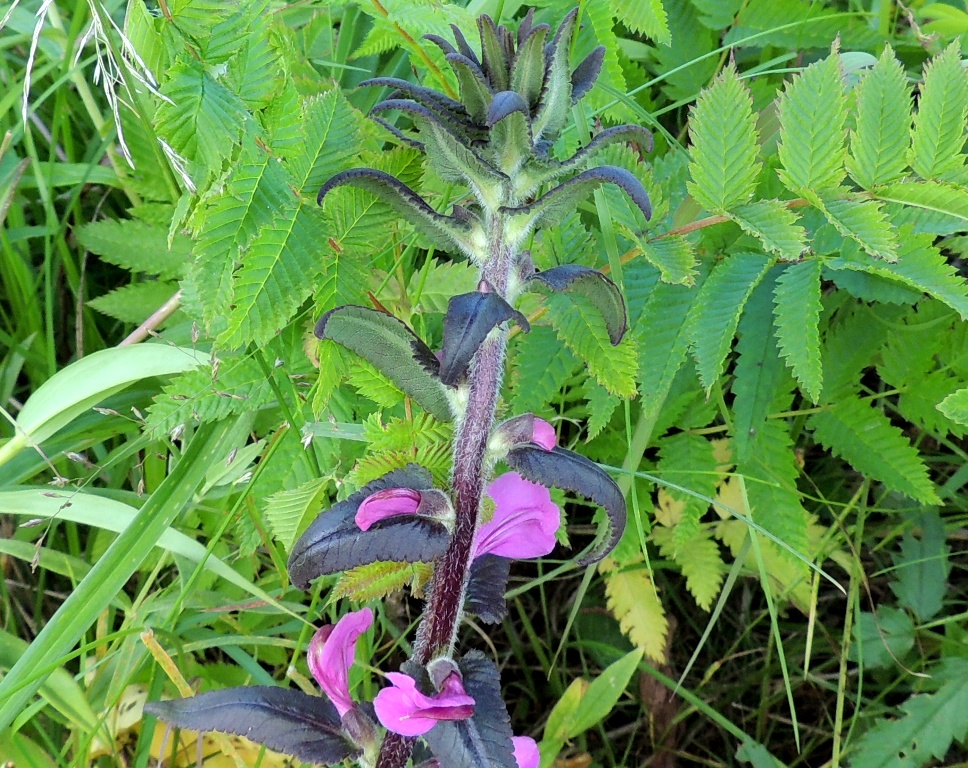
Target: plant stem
x,y
437,632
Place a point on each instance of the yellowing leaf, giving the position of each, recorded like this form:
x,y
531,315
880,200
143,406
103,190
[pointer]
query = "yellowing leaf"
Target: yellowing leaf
x,y
631,597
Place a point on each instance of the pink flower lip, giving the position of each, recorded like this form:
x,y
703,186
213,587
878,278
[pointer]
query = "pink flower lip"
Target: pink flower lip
x,y
389,502
403,709
525,520
543,434
526,752
331,653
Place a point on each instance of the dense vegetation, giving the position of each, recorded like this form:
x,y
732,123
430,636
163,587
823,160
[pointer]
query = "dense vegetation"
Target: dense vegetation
x,y
786,415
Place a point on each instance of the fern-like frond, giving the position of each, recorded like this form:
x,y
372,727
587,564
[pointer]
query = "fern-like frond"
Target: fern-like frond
x,y
133,303
112,240
646,18
700,561
862,435
939,125
372,384
437,459
580,326
540,365
879,140
421,431
378,580
330,125
774,225
284,122
689,461
813,112
601,406
861,220
947,199
716,312
723,157
598,15
797,315
284,511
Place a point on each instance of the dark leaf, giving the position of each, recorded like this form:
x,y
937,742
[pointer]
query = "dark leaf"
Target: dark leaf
x,y
334,542
475,91
446,231
470,317
564,198
495,63
505,103
486,588
525,26
396,351
555,104
560,468
484,740
586,73
594,286
422,115
410,142
426,96
295,723
510,123
464,47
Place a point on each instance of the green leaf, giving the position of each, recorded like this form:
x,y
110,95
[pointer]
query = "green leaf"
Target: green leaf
x,y
881,638
601,406
285,510
111,240
774,225
929,725
135,302
555,103
541,363
396,351
716,312
599,290
200,118
688,461
865,437
723,158
580,326
701,564
955,406
939,125
812,150
674,256
861,220
329,126
879,140
646,18
603,693
277,274
929,195
378,580
921,569
797,322
80,386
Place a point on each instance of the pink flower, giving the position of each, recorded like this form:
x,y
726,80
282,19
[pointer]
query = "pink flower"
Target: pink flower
x,y
543,434
331,653
405,710
397,502
524,523
526,752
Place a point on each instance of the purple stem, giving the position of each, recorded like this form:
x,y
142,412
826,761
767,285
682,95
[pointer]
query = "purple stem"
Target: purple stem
x,y
445,602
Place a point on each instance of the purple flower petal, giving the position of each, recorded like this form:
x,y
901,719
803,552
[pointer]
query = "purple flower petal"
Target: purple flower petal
x,y
543,434
331,653
386,503
526,752
525,520
403,709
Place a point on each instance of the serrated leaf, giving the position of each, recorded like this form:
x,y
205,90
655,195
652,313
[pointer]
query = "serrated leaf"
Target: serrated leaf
x,y
880,137
307,727
674,256
135,302
647,18
812,151
929,725
862,435
329,126
631,598
701,564
864,221
601,406
723,158
470,318
396,351
921,569
797,323
555,102
580,326
285,510
541,364
586,73
560,468
774,225
594,286
378,580
484,738
939,125
955,406
882,637
334,542
688,461
114,241
938,197
717,310
598,16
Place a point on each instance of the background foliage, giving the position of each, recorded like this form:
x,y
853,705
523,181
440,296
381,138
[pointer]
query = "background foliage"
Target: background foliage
x,y
787,416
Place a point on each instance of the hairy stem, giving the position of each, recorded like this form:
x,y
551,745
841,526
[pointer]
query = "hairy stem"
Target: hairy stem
x,y
437,632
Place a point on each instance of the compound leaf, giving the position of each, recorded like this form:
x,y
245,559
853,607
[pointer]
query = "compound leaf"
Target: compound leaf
x,y
594,286
939,125
797,322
